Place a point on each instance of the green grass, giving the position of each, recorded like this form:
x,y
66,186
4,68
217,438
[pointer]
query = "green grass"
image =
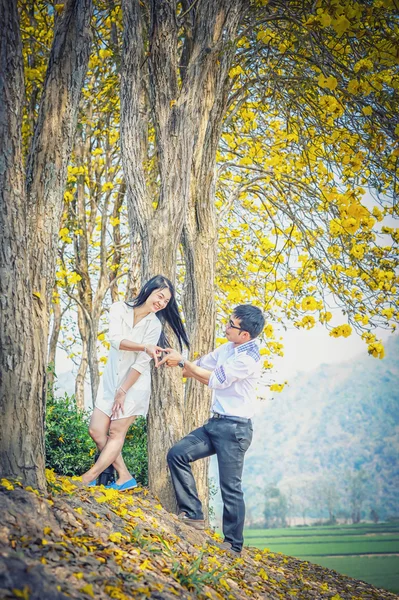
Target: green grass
x,y
352,543
327,531
320,548
381,571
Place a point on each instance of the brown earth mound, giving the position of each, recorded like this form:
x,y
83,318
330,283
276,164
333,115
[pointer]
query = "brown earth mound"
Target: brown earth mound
x,y
98,543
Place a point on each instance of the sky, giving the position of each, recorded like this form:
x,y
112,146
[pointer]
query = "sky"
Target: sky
x,y
306,350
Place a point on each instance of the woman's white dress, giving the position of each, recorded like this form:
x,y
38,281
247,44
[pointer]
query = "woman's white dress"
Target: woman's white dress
x,y
147,331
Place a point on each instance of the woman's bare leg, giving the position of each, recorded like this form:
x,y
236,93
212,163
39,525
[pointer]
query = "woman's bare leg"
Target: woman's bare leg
x,y
111,450
98,430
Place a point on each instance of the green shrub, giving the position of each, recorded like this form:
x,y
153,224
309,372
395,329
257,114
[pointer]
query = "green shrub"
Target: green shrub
x,y
69,448
135,450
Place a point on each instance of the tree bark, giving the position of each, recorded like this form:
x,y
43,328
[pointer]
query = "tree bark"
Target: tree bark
x,y
55,333
31,220
52,146
21,406
186,96
199,238
81,375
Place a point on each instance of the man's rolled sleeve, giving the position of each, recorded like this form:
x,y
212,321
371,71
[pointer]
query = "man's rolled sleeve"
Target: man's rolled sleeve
x,y
152,336
115,335
208,361
224,375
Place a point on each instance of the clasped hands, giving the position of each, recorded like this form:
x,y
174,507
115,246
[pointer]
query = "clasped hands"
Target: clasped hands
x,y
172,359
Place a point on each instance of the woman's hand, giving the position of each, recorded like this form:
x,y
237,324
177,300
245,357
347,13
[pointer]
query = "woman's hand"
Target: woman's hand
x,y
154,351
172,358
119,403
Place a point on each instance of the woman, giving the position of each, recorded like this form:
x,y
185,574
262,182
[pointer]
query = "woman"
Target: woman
x,y
135,328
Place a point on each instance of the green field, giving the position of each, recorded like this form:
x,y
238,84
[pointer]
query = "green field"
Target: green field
x,y
366,551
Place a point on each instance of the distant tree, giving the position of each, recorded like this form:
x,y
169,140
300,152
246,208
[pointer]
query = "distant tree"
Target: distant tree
x,y
276,508
299,496
330,498
374,515
357,493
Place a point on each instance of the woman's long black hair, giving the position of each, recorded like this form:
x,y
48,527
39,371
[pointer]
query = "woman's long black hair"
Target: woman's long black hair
x,y
169,314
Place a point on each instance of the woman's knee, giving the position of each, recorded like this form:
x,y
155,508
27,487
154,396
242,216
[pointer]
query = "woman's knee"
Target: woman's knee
x,y
96,434
116,432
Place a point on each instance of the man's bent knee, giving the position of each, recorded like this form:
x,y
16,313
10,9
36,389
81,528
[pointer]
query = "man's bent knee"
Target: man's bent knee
x,y
171,454
175,455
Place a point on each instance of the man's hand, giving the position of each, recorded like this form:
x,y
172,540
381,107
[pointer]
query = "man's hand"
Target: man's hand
x,y
154,351
186,373
171,359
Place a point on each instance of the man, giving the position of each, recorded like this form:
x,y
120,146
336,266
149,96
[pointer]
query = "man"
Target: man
x,y
231,371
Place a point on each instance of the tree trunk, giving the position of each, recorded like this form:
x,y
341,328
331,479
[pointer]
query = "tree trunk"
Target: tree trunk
x,y
21,422
199,242
186,98
55,333
134,277
31,222
81,375
92,356
117,243
53,139
52,146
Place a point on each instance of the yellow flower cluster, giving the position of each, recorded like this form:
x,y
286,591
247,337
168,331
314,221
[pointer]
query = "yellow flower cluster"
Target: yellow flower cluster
x,y
341,331
376,349
309,303
64,235
307,322
277,387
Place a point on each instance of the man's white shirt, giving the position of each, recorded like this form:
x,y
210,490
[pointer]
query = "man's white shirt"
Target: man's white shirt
x,y
235,373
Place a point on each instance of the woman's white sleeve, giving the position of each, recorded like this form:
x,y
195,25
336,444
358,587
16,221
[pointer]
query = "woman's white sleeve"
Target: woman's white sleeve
x,y
115,335
152,336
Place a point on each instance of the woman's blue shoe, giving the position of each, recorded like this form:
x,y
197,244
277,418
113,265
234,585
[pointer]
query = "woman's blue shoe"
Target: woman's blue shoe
x,y
124,487
92,483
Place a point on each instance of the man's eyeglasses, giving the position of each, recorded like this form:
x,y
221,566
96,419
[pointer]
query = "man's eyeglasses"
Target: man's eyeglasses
x,y
231,325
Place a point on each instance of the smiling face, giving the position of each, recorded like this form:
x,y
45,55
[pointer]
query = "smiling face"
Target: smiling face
x,y
234,333
158,299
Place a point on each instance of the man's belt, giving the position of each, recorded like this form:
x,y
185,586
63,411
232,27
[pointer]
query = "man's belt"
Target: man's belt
x,y
239,419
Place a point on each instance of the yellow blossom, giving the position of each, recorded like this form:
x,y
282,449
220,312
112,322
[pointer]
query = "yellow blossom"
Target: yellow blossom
x,y
88,589
108,185
309,303
341,330
376,349
6,484
73,278
329,82
341,24
325,317
350,225
276,387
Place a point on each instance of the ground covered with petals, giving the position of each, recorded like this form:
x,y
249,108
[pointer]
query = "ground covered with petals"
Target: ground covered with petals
x,y
95,543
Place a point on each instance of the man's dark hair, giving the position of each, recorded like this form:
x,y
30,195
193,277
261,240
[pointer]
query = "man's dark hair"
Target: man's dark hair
x,y
251,319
